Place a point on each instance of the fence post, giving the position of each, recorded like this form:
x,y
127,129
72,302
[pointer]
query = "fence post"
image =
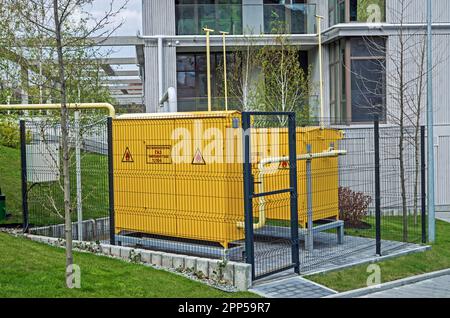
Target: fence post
x,y
248,195
377,187
112,236
423,184
23,159
309,240
294,194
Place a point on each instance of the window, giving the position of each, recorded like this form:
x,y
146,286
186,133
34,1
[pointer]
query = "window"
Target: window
x,y
221,15
344,11
192,81
338,85
358,80
281,16
368,85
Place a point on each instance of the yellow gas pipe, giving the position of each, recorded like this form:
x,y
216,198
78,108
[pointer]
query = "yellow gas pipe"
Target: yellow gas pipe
x,y
72,106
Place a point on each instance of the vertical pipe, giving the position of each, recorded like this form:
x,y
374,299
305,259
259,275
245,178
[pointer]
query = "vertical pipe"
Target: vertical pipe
x,y
423,184
112,236
377,187
78,176
248,194
208,65
430,124
309,199
319,33
23,157
160,69
225,80
294,194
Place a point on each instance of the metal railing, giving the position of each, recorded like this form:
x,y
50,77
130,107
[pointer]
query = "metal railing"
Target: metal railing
x,y
246,18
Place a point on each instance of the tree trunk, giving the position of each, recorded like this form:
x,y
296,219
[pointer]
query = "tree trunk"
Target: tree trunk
x,y
402,139
64,145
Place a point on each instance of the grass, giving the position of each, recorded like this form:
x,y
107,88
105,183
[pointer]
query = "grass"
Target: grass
x,y
41,212
10,182
391,229
29,269
438,258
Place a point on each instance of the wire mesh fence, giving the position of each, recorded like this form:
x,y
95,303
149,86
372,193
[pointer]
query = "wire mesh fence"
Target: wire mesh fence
x,y
179,184
88,174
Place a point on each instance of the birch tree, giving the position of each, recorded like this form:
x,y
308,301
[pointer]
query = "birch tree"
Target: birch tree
x,y
66,28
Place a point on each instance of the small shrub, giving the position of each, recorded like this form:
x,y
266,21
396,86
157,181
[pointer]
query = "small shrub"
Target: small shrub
x,y
9,134
353,206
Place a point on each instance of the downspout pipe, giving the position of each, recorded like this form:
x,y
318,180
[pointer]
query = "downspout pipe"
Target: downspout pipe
x,y
261,166
160,67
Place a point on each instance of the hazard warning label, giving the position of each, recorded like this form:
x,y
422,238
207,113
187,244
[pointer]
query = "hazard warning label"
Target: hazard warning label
x,y
198,158
284,165
159,155
127,157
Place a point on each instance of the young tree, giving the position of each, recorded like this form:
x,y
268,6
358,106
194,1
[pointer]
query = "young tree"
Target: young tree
x,y
404,74
65,26
283,85
240,76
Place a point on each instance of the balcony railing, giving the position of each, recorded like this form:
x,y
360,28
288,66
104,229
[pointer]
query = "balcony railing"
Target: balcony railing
x,y
246,19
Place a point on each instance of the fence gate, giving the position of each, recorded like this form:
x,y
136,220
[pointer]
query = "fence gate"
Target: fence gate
x,y
270,192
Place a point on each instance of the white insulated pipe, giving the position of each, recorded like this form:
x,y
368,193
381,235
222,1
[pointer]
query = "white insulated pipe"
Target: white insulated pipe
x,y
261,166
170,97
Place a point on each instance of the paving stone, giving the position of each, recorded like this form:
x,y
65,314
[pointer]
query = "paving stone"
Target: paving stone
x,y
292,288
178,262
437,287
156,258
167,260
203,266
190,263
146,256
125,253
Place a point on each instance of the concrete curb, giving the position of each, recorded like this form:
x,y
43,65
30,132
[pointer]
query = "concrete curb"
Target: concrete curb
x,y
235,274
386,286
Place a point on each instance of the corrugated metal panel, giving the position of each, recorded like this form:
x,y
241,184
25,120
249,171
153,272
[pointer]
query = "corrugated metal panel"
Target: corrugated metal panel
x,y
159,17
416,10
441,81
443,171
151,78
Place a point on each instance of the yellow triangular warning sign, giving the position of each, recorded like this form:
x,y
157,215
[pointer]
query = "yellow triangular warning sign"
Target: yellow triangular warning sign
x,y
198,158
127,157
284,165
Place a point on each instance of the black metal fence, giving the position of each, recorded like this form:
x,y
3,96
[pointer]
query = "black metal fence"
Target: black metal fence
x,y
42,181
288,197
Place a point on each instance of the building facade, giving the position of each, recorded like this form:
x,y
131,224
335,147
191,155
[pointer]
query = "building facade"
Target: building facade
x,y
363,42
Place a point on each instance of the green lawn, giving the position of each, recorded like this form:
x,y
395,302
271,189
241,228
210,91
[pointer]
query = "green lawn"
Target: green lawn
x,y
30,269
10,182
437,258
391,229
41,212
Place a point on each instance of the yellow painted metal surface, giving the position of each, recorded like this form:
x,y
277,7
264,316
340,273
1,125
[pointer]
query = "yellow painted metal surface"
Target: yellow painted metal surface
x,y
181,175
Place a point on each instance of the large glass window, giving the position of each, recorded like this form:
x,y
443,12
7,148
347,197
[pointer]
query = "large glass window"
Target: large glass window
x,y
192,81
368,85
358,80
281,16
368,11
221,15
338,86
